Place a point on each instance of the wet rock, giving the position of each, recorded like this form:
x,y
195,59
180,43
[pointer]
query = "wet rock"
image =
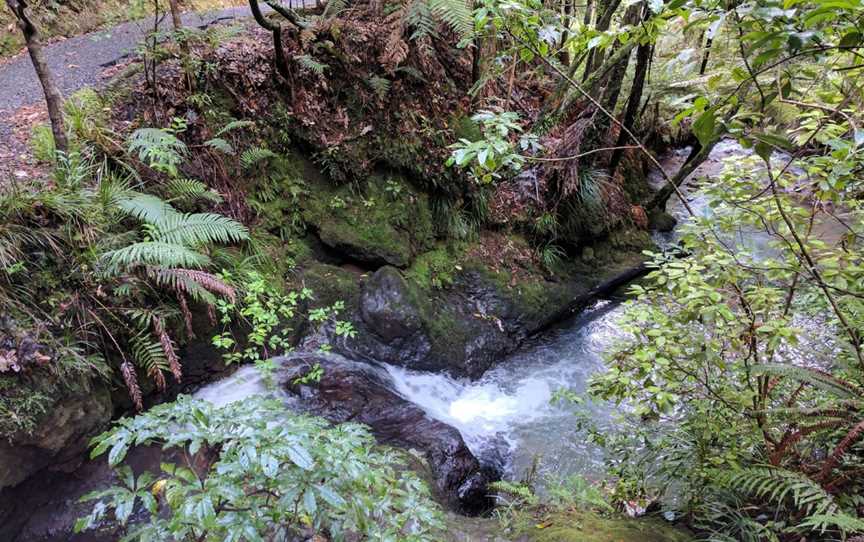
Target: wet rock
x,y
462,330
61,439
357,392
661,221
388,308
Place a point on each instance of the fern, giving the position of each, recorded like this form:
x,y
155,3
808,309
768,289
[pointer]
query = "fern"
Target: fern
x,y
220,145
335,7
419,17
777,485
456,14
154,253
234,125
190,191
380,85
834,522
158,148
814,377
146,207
252,156
197,229
309,63
149,355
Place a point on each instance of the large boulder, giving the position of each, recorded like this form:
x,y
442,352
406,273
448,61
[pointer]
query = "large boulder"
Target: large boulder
x,y
61,438
358,392
462,330
387,225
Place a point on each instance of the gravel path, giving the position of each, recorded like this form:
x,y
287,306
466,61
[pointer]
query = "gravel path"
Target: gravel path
x,y
79,62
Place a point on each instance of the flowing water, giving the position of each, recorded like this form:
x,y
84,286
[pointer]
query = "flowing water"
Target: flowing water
x,y
508,417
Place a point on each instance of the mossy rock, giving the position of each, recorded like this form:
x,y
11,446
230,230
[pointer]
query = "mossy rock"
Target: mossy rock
x,y
589,527
330,283
388,224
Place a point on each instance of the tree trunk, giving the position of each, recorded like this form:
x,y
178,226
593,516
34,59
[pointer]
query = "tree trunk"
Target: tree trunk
x,y
175,14
705,56
643,59
632,16
279,51
53,98
595,58
564,54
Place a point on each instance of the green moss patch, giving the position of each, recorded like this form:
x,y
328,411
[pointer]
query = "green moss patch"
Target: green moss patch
x,y
384,222
589,527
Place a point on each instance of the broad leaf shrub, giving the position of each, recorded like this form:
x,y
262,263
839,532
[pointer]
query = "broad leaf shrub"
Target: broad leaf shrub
x,y
269,475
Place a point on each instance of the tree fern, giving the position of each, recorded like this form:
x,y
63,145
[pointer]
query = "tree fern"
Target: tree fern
x,y
197,229
154,253
814,377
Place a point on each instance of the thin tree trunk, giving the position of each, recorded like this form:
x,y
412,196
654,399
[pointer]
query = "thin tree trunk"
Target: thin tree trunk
x,y
595,58
705,56
53,98
616,76
564,54
175,14
643,58
275,29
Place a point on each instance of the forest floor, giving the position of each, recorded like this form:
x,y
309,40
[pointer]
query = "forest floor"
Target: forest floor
x,y
89,60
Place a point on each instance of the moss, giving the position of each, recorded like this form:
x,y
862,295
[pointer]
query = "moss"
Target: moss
x,y
437,268
388,222
574,526
330,284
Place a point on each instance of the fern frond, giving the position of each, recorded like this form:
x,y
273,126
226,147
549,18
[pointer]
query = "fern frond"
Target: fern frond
x,y
835,522
146,207
154,253
167,345
380,85
252,156
776,485
234,125
220,145
148,355
309,63
198,229
334,8
456,14
814,377
131,380
158,148
419,18
191,190
199,285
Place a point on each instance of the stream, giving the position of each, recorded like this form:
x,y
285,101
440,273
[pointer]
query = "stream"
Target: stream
x,y
507,416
